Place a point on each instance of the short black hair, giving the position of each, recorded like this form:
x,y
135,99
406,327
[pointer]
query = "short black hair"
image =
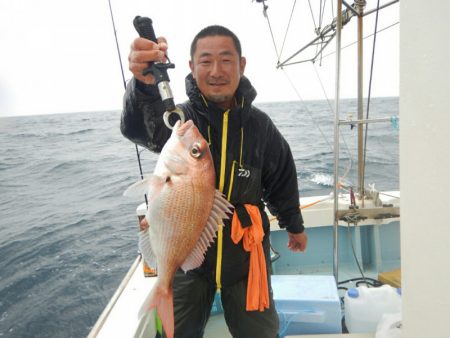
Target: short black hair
x,y
215,30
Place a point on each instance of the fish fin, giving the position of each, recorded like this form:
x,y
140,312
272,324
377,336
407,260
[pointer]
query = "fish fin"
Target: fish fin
x,y
146,248
221,203
150,185
163,301
218,212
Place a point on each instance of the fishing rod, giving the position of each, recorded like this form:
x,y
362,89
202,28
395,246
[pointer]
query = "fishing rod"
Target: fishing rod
x,y
138,155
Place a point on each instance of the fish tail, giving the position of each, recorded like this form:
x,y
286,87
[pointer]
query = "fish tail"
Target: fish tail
x,y
162,299
164,307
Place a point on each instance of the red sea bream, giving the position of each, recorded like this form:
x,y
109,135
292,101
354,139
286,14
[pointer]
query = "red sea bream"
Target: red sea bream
x,y
184,212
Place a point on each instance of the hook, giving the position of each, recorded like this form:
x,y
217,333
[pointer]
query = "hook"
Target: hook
x,y
167,114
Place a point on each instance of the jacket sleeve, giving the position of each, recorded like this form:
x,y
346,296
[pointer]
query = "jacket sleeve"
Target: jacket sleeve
x,y
142,121
280,187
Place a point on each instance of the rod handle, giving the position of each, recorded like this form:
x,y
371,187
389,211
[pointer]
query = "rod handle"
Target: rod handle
x,y
144,27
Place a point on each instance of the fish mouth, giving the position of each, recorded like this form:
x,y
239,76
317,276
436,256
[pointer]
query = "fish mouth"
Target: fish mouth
x,y
182,129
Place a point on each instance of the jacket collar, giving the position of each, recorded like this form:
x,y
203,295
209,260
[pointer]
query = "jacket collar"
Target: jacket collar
x,y
245,95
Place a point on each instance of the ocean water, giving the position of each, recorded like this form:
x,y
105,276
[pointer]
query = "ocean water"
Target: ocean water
x,y
68,236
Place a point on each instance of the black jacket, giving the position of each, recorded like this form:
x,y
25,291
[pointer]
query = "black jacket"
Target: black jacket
x,y
256,152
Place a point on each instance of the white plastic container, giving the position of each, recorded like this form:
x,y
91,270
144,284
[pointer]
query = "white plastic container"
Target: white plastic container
x,y
365,306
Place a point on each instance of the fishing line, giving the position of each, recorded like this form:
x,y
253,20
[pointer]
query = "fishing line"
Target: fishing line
x,y
117,46
125,87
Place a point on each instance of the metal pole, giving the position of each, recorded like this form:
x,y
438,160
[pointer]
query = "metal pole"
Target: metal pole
x,y
336,141
360,4
365,121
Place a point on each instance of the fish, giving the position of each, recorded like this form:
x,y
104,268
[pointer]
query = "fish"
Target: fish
x,y
184,213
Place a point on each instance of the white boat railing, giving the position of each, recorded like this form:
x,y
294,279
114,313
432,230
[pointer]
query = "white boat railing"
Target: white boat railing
x,y
106,312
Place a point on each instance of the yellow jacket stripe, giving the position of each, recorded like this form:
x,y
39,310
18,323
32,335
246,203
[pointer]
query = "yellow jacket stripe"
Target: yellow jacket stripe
x,y
223,163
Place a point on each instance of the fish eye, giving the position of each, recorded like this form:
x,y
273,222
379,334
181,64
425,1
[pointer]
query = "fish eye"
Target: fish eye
x,y
195,150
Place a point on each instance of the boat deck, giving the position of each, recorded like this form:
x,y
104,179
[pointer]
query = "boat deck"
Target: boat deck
x,y
217,328
376,247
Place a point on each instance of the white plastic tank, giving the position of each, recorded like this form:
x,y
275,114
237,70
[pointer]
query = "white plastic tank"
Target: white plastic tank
x,y
365,306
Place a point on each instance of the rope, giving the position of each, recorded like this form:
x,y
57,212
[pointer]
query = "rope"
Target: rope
x,y
354,253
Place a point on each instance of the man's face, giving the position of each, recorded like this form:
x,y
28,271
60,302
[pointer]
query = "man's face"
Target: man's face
x,y
217,69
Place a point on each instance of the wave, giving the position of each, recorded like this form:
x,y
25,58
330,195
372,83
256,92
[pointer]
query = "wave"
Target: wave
x,y
81,131
44,134
322,179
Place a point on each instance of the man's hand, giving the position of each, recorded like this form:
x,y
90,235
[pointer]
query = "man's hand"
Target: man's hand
x,y
143,224
143,51
297,242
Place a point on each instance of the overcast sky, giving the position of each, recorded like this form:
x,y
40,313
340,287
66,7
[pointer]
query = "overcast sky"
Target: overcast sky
x,y
60,56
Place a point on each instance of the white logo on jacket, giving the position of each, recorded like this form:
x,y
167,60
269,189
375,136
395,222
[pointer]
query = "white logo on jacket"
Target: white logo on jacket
x,y
244,173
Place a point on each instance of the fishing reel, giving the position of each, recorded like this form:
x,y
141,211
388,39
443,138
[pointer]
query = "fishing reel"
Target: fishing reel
x,y
144,27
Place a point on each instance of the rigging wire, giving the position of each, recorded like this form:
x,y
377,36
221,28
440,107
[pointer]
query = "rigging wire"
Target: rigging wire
x,y
342,48
265,7
266,15
347,148
366,37
287,28
312,14
370,92
322,10
125,87
350,164
321,22
306,108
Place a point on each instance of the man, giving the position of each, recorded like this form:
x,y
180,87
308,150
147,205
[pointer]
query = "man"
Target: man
x,y
253,163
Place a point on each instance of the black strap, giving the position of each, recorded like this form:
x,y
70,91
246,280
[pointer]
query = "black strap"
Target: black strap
x,y
243,215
